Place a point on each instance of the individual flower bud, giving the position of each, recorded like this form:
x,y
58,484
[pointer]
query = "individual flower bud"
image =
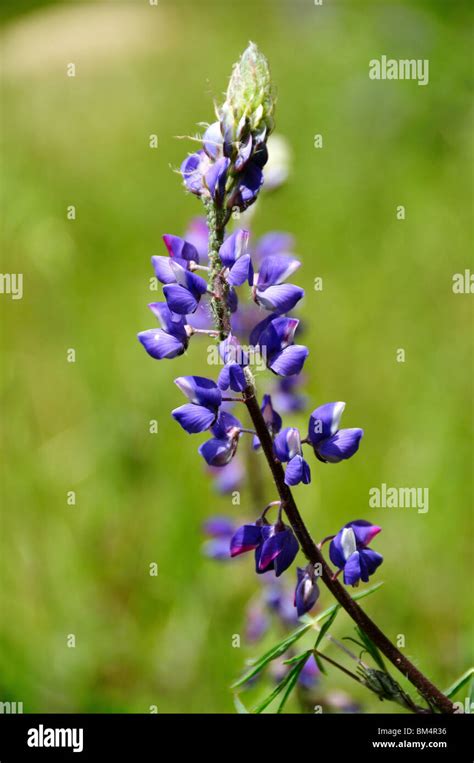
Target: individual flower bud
x,y
307,591
249,105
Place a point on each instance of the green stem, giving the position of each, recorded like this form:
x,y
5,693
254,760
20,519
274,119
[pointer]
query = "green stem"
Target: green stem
x,y
218,284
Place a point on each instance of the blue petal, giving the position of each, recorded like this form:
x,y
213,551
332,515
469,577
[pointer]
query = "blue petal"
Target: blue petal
x,y
225,422
246,538
336,554
352,571
289,361
171,322
200,390
280,298
178,247
275,269
340,446
194,418
218,452
192,170
288,553
364,531
370,560
234,246
163,269
179,299
161,345
216,177
324,421
241,271
212,140
297,471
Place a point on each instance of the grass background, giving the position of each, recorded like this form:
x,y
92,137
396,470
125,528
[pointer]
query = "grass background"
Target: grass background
x,y
141,498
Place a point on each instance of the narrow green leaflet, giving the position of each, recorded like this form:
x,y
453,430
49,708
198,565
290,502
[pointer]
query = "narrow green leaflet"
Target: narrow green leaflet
x,y
325,627
295,673
461,681
371,649
287,682
239,706
272,654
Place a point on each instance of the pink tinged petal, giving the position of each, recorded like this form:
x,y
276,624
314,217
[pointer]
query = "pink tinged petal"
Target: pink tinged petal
x,y
280,298
285,329
275,269
245,539
364,531
161,345
289,361
324,421
178,247
194,418
340,446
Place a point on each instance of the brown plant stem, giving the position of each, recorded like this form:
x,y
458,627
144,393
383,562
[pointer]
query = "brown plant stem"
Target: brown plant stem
x,y
433,696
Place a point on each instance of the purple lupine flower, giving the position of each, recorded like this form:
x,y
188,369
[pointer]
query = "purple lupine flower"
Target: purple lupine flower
x,y
220,530
171,339
235,259
246,538
180,251
287,448
330,443
220,449
348,551
306,591
277,549
184,295
269,291
205,398
275,546
193,170
271,417
274,337
232,374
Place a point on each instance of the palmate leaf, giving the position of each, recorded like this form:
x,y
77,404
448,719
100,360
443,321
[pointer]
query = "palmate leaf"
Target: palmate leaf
x,y
280,648
459,683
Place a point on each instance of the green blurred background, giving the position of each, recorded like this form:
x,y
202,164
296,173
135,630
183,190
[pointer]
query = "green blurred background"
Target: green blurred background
x,y
83,426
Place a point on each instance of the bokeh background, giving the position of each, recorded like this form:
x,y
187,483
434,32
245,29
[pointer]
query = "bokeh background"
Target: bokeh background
x,y
84,426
